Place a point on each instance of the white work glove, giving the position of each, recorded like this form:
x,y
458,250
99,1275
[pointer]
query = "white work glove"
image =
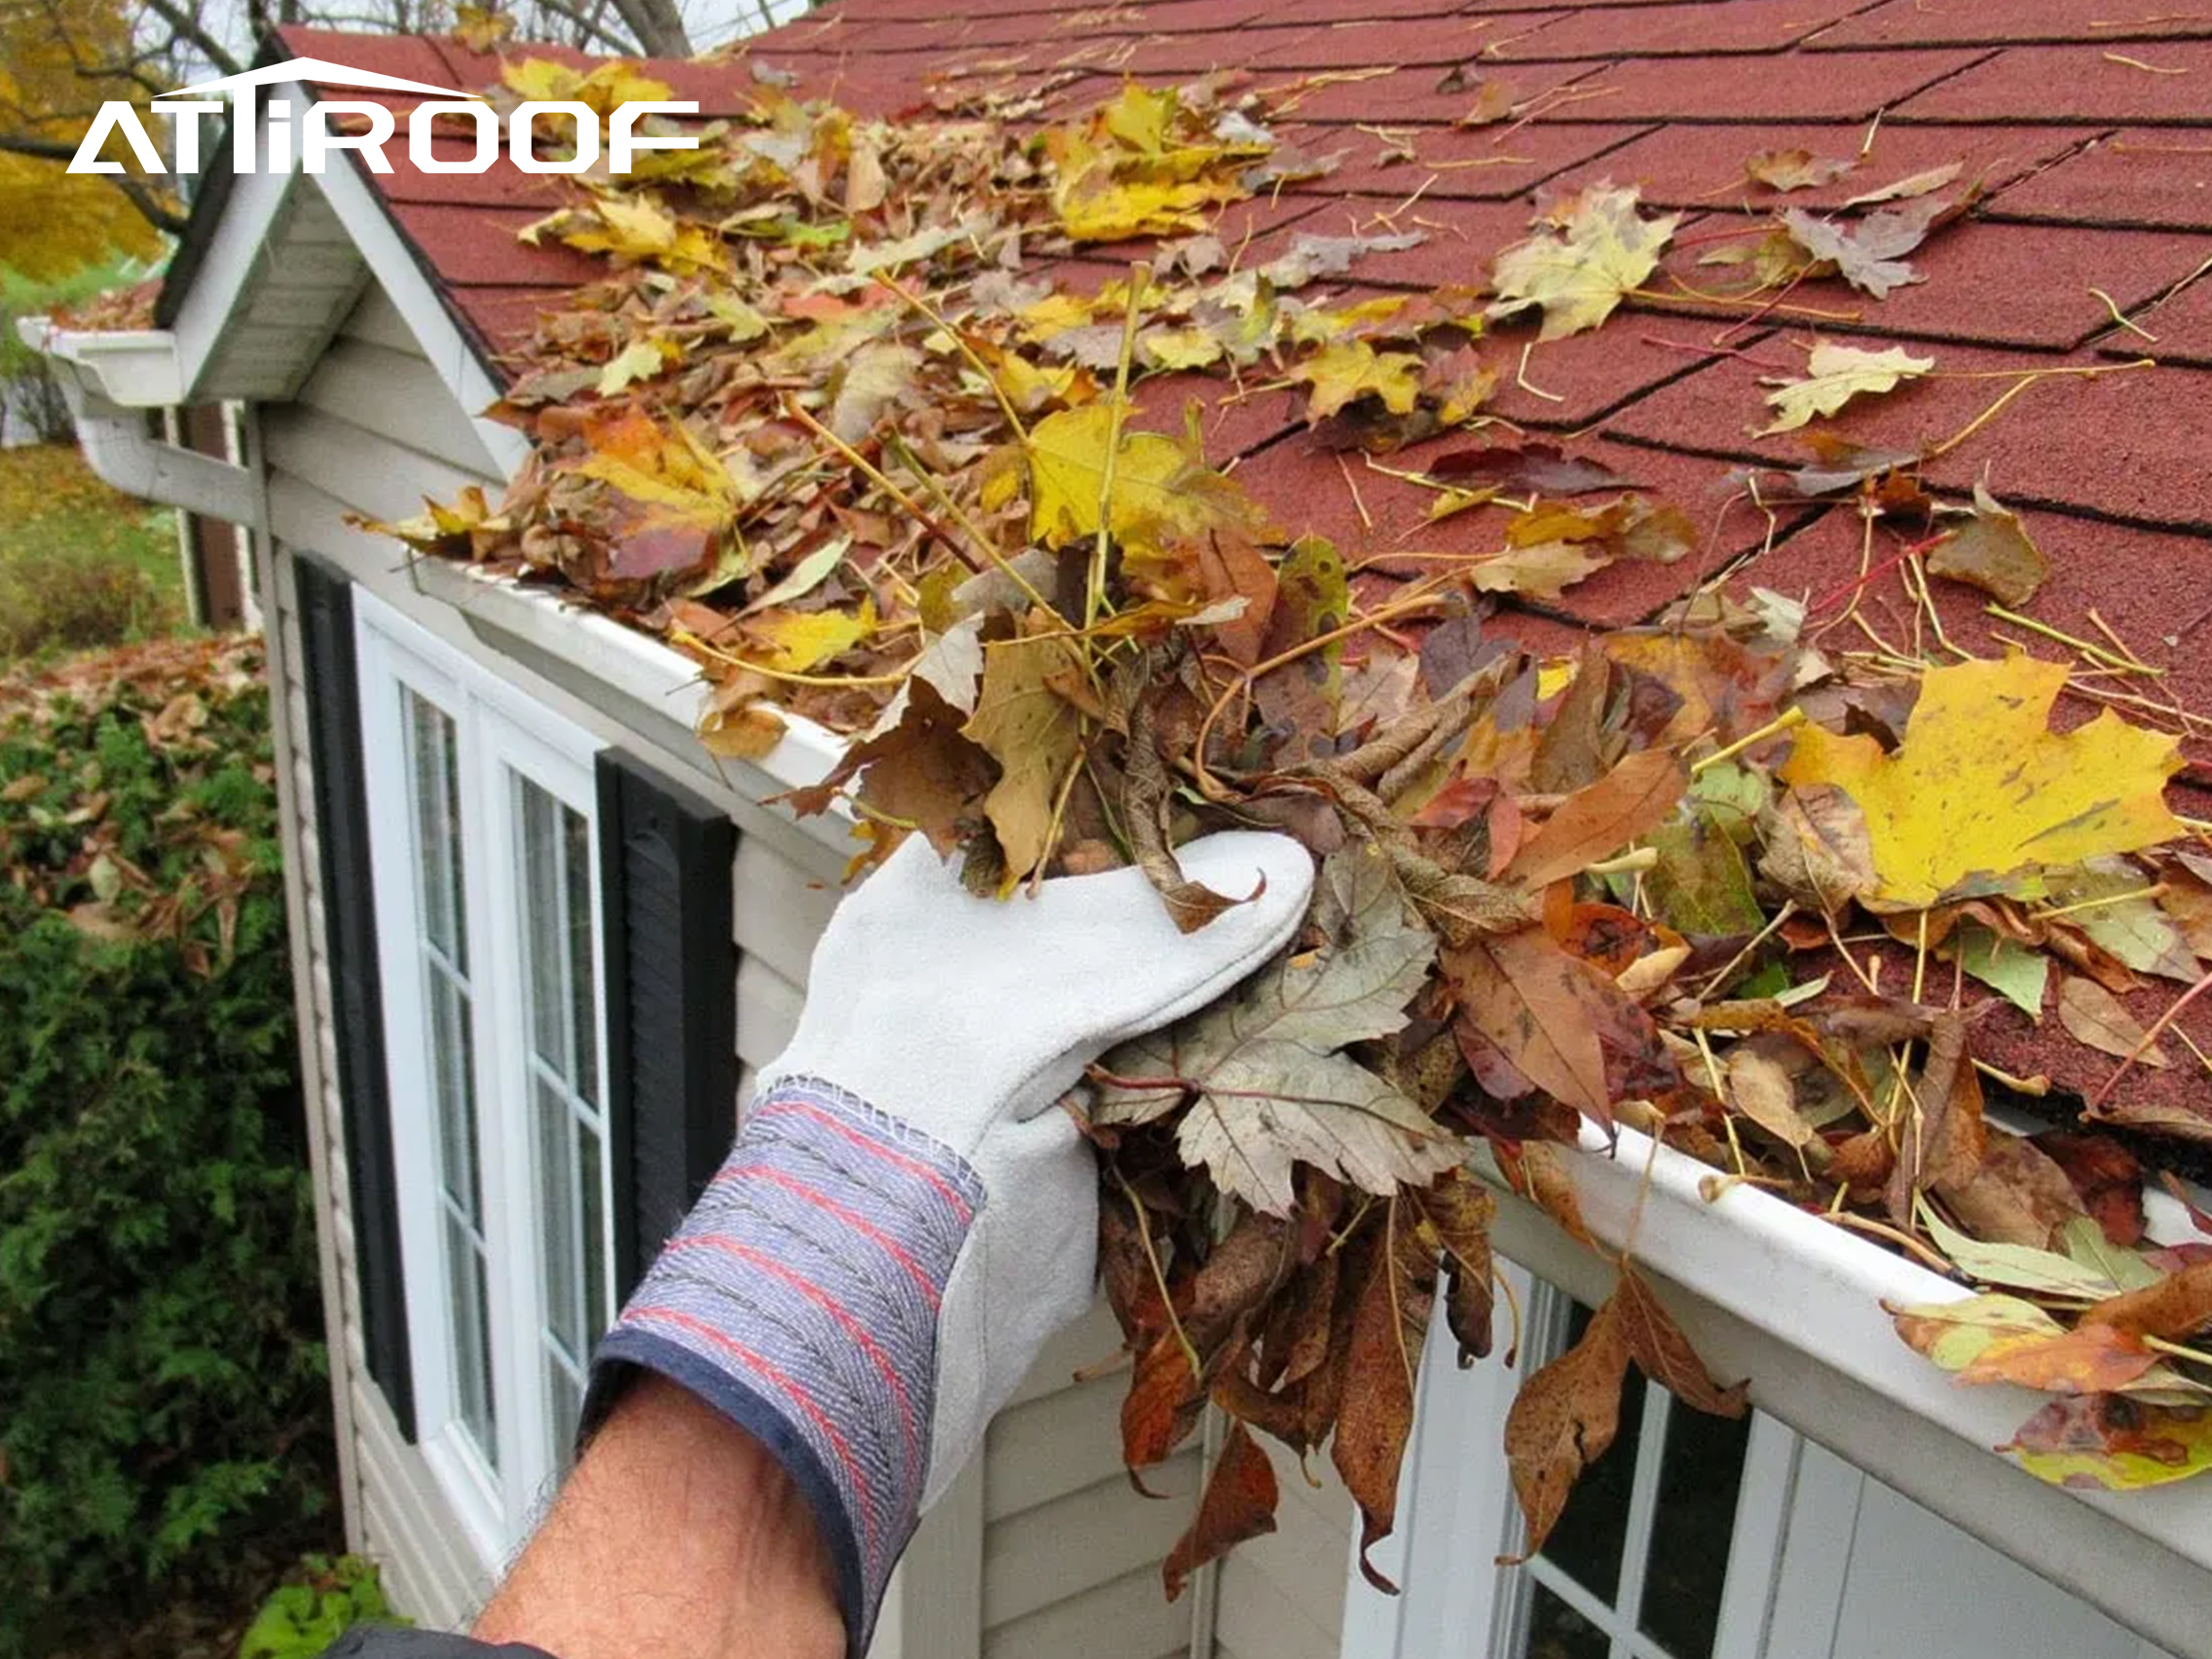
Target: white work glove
x,y
905,1216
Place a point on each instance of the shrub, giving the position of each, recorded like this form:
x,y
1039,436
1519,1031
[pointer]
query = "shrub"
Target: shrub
x,y
164,1414
326,1598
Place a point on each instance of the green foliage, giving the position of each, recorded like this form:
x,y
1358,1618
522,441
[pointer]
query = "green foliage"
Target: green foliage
x,y
300,1620
163,1386
81,563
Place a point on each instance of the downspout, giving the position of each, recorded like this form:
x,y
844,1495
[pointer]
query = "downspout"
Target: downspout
x,y
110,381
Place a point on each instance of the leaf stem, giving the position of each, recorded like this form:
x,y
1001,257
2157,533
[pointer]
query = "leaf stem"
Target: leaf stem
x,y
1095,587
1793,716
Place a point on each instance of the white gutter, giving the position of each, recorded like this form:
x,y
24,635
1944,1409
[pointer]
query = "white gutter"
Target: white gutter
x,y
110,379
1793,1304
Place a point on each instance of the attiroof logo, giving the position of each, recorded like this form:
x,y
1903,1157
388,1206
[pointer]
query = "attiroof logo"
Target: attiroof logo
x,y
261,131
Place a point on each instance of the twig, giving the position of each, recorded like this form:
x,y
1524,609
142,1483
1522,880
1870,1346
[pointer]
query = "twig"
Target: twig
x,y
1094,588
1793,716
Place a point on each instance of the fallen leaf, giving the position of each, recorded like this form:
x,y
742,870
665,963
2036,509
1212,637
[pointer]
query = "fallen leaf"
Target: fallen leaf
x,y
1459,1210
2109,1441
1834,376
2106,1176
1598,820
2093,1015
1562,1420
1796,170
1238,1505
1761,1087
1268,1087
1382,1368
1912,185
1991,552
1664,1356
1531,468
1311,257
1595,248
2017,1266
1957,1334
1544,570
1546,1012
2092,1359
2174,1307
1035,735
1869,254
1348,370
1700,886
1980,790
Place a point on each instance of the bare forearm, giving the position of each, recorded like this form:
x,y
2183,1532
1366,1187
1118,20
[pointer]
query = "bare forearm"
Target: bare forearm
x,y
677,1536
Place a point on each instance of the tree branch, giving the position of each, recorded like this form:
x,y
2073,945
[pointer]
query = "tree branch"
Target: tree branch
x,y
190,28
658,26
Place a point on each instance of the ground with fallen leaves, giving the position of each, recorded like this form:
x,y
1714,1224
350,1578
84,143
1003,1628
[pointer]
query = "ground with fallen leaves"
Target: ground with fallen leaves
x,y
1751,880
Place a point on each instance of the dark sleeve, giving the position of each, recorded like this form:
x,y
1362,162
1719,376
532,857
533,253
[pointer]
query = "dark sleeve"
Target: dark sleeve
x,y
390,1642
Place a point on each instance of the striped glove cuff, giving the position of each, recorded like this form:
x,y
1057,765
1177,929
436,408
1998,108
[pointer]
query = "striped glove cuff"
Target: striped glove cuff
x,y
800,1299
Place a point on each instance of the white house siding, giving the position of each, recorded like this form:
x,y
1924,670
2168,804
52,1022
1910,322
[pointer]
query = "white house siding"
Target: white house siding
x,y
1045,1550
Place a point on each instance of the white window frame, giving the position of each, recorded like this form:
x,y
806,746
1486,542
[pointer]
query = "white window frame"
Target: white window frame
x,y
500,734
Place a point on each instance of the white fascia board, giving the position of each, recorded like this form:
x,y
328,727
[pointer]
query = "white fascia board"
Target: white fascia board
x,y
393,266
110,379
1794,1304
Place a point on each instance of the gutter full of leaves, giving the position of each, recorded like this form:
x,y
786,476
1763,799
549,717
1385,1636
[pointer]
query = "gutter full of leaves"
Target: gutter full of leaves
x,y
833,429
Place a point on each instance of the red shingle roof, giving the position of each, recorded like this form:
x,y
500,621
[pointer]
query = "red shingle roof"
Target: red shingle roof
x,y
2089,122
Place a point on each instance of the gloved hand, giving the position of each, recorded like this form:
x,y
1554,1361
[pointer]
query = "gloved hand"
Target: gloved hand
x,y
905,1216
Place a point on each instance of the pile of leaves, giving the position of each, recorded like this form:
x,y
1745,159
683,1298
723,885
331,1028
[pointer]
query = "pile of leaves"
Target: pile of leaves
x,y
844,427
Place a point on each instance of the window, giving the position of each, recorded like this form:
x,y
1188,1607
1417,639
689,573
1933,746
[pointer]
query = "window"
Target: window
x,y
482,853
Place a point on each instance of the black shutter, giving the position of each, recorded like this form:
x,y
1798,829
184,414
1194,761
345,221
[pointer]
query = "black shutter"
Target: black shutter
x,y
666,859
349,929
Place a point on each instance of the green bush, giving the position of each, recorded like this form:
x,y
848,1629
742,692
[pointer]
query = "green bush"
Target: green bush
x,y
301,1619
164,1410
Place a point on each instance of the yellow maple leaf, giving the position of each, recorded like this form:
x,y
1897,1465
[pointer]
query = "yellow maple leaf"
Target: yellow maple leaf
x,y
1035,735
1348,370
795,642
1593,249
1981,790
1067,475
1834,375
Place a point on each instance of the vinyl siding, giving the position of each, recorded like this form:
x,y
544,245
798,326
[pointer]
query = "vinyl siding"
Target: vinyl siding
x,y
1045,1552
1283,1595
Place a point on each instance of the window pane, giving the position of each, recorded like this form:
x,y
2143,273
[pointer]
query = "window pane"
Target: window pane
x,y
583,991
433,765
1698,1480
558,1218
599,1310
543,925
453,1072
1556,1630
472,1340
1590,1536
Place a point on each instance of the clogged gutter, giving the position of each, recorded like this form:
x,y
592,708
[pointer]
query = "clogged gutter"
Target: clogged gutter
x,y
844,427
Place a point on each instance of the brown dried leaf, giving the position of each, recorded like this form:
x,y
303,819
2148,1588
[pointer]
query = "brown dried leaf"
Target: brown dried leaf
x,y
1991,552
1562,1422
1664,1354
2175,1306
1238,1505
1382,1365
1600,819
2093,1015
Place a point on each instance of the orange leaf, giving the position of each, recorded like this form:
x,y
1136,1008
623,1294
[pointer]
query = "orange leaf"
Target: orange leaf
x,y
1381,1362
1596,821
2094,1359
2174,1307
1239,1503
1664,1354
1539,1008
